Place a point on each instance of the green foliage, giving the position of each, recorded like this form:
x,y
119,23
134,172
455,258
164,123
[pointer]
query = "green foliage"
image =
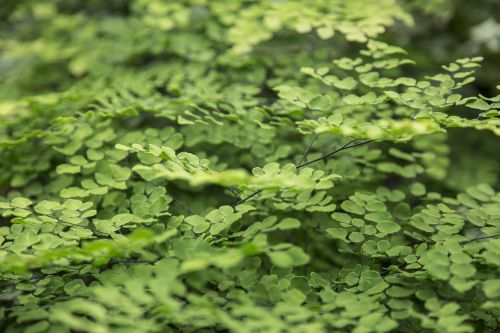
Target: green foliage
x,y
244,166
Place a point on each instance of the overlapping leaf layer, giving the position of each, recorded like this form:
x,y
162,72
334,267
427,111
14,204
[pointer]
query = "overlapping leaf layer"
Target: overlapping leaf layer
x,y
242,166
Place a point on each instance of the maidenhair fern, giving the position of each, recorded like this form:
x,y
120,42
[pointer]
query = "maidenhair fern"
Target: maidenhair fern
x,y
245,166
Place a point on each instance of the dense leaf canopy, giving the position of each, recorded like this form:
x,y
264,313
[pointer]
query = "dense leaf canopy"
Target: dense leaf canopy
x,y
249,166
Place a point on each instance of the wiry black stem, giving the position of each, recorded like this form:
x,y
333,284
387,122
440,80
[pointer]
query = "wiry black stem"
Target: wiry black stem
x,y
182,204
348,145
299,165
239,202
479,239
307,150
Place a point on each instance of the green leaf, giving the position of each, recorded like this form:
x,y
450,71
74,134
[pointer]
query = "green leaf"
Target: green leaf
x,y
356,237
491,288
281,259
479,104
388,227
293,256
352,207
73,192
338,233
67,168
323,103
21,202
288,223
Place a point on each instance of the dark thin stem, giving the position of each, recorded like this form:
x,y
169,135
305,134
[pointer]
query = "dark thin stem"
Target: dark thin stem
x,y
307,150
480,238
245,199
182,204
235,192
348,145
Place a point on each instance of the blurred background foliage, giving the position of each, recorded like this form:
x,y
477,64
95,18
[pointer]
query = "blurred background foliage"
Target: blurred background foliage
x,y
47,46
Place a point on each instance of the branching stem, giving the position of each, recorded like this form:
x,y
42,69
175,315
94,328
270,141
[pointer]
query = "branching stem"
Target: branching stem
x,y
300,165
